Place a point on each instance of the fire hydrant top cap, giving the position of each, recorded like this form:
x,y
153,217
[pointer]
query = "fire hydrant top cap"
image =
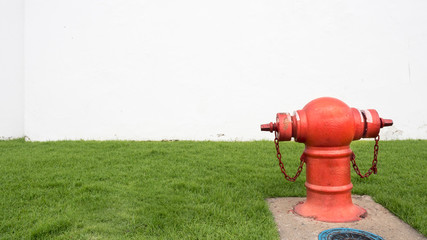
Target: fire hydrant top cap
x,y
330,122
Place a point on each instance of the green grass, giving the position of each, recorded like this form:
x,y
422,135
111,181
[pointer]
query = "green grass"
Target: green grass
x,y
179,190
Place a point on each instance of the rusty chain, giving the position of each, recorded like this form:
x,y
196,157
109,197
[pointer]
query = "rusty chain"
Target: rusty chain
x,y
371,170
282,167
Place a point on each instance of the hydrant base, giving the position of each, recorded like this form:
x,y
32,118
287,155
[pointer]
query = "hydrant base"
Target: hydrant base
x,y
333,214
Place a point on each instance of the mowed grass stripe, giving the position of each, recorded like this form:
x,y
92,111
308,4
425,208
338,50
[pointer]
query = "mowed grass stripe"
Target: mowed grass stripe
x,y
178,190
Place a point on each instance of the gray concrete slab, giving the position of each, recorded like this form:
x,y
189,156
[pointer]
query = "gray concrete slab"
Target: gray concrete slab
x,y
379,221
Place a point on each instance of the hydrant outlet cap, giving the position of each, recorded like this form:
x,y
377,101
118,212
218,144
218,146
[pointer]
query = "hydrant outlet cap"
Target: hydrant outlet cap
x,y
386,122
268,127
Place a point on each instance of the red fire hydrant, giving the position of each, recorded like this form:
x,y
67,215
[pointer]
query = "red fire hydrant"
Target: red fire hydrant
x,y
327,126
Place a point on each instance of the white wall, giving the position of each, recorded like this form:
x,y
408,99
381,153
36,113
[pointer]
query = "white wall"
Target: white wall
x,y
218,69
11,69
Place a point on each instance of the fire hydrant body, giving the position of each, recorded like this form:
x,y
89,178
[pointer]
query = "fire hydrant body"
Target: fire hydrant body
x,y
327,126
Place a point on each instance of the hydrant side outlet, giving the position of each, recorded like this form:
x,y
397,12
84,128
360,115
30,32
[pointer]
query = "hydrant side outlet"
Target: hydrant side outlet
x,y
327,126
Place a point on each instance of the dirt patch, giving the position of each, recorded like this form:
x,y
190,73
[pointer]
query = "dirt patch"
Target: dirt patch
x,y
378,221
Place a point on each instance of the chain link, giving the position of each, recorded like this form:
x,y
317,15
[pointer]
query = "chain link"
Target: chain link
x,y
282,167
371,170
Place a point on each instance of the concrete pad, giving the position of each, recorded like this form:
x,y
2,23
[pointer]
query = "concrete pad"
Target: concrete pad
x,y
379,221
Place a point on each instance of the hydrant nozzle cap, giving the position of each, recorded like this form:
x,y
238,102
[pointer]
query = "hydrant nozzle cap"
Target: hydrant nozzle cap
x,y
268,127
386,122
